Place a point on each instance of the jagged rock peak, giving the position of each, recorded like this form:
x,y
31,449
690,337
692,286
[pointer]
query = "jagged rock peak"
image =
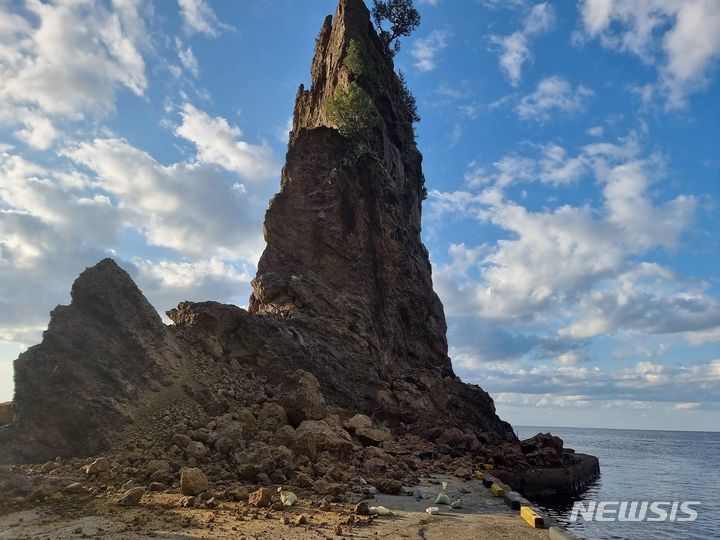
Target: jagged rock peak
x,y
106,276
97,357
108,289
329,72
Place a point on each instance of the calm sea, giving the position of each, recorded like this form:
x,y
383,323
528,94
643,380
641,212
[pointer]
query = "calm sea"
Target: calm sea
x,y
646,466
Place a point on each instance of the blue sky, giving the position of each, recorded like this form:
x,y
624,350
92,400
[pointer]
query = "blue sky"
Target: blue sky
x,y
571,154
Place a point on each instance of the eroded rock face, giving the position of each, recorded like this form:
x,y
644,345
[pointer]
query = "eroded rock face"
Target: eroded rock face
x,y
344,256
343,234
98,357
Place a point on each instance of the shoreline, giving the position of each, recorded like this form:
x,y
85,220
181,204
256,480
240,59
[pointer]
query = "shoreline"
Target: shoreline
x,y
163,515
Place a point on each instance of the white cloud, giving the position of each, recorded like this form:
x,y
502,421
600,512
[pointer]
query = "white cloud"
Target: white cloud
x,y
523,309
557,168
187,58
711,335
513,49
470,110
188,207
166,283
553,96
455,135
646,298
199,18
507,4
37,131
55,221
50,230
571,266
637,386
570,358
219,143
553,166
425,50
691,406
84,52
680,37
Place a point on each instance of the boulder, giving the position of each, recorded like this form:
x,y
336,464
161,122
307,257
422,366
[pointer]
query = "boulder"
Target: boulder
x,y
181,440
542,440
236,492
158,465
260,498
302,398
359,421
263,458
247,471
75,487
373,436
13,484
389,486
362,508
507,454
229,434
248,422
285,436
132,497
315,436
463,472
272,417
452,437
99,466
196,449
193,481
544,457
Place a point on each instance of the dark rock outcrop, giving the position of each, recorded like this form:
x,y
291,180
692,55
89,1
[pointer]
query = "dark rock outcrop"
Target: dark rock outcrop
x,y
344,258
343,330
99,358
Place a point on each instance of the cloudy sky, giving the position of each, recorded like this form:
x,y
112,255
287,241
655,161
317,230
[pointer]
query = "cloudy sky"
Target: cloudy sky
x,y
571,151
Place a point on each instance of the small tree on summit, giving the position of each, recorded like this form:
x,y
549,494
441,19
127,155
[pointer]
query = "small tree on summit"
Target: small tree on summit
x,y
402,17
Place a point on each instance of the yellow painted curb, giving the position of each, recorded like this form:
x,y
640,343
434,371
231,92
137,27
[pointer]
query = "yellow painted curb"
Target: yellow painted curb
x,y
534,519
497,490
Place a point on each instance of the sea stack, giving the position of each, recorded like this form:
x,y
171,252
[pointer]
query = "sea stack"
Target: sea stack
x,y
341,357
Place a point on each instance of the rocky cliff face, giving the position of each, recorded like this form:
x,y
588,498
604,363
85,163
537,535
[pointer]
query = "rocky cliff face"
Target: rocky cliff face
x,y
344,248
341,353
343,234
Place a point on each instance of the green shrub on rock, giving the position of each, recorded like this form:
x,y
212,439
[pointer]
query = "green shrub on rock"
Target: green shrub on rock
x,y
353,112
354,59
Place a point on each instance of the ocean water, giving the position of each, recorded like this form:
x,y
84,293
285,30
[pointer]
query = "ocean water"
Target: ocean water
x,y
645,466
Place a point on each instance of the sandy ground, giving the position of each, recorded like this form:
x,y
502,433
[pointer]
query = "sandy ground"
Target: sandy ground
x,y
160,516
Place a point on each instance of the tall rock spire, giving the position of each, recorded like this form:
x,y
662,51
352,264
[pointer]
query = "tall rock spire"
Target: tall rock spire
x,y
343,234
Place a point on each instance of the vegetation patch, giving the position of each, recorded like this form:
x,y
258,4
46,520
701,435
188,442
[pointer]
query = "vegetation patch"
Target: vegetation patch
x,y
355,60
353,112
